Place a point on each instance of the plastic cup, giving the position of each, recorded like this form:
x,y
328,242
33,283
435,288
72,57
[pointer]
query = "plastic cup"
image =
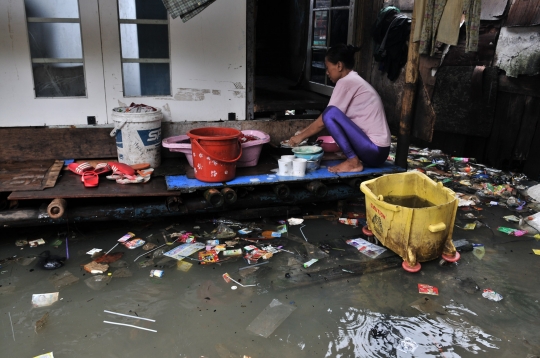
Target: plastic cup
x,y
285,167
299,167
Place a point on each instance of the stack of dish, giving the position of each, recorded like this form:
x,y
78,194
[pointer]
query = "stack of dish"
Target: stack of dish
x,y
312,153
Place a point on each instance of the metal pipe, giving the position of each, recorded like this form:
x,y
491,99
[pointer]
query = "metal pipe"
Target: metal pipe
x,y
214,197
281,190
355,183
262,198
229,195
317,188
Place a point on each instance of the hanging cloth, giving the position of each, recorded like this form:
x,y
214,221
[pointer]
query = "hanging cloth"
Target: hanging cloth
x,y
186,9
472,10
432,18
419,11
434,23
448,31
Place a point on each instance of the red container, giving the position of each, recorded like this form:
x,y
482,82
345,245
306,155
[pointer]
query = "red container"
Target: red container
x,y
328,144
215,151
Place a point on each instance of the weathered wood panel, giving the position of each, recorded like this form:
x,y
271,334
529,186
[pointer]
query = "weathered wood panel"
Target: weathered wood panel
x,y
391,94
56,143
508,117
70,186
526,85
532,165
455,108
424,119
524,13
369,15
529,122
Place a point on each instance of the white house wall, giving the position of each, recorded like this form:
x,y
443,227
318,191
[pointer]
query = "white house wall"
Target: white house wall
x,y
208,73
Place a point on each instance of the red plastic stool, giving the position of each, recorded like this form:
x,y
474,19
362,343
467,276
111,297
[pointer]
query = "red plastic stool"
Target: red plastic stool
x,y
454,258
408,268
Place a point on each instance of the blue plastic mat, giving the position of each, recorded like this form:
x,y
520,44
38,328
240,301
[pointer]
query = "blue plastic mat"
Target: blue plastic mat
x,y
182,183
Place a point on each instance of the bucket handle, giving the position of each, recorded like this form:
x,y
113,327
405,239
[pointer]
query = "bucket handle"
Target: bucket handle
x,y
116,129
437,227
194,141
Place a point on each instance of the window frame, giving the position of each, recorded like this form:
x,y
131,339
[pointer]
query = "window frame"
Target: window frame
x,y
143,60
46,60
315,86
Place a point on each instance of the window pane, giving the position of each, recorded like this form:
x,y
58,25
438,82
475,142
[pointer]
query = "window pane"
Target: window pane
x,y
52,8
339,27
146,79
144,41
318,70
142,9
341,2
59,80
54,40
321,4
320,24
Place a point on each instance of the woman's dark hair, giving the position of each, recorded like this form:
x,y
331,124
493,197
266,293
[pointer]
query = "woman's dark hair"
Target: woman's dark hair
x,y
343,53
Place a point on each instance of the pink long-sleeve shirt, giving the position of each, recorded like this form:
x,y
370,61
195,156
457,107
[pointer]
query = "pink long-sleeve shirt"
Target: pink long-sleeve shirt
x,y
363,105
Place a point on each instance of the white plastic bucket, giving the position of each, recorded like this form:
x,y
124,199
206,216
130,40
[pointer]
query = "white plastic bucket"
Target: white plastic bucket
x,y
138,137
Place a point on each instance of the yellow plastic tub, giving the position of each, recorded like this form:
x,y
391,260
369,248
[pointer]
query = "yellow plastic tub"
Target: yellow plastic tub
x,y
413,216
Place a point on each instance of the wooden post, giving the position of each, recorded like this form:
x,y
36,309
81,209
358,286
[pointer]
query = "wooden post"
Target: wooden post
x,y
409,95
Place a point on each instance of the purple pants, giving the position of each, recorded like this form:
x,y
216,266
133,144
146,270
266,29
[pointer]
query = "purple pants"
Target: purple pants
x,y
351,139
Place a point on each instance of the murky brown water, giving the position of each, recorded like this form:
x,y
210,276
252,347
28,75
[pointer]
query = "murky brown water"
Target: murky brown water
x,y
337,313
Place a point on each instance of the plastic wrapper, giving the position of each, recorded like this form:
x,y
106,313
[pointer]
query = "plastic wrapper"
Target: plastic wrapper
x,y
228,222
427,289
492,295
510,231
133,244
187,238
222,231
97,282
366,247
407,345
270,318
126,237
208,257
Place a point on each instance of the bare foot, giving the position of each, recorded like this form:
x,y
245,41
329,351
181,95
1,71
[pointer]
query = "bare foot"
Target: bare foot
x,y
348,166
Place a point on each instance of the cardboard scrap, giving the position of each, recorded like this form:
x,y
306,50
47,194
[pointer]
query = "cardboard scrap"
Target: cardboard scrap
x,y
40,323
94,267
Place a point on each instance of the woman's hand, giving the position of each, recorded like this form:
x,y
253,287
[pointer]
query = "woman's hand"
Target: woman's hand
x,y
295,140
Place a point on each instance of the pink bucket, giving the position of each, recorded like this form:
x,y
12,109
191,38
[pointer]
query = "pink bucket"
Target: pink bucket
x,y
251,151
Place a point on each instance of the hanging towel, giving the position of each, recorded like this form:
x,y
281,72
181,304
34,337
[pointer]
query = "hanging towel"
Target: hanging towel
x,y
448,31
186,9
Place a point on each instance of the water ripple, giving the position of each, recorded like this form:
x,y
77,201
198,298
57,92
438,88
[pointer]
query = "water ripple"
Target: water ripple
x,y
362,333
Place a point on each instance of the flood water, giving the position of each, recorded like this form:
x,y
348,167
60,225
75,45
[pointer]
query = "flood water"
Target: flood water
x,y
328,312
412,201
